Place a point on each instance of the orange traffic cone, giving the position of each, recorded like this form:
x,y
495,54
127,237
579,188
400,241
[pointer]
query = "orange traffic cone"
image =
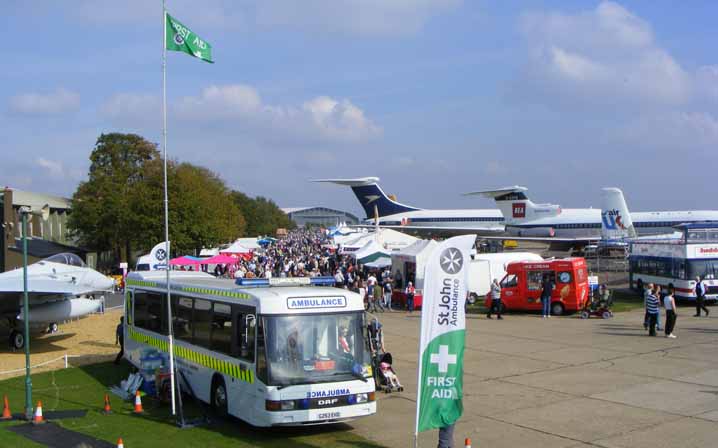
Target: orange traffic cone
x,y
119,443
467,443
138,403
107,410
6,414
38,419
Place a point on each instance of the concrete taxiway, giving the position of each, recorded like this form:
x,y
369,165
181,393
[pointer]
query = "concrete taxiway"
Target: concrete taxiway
x,y
566,382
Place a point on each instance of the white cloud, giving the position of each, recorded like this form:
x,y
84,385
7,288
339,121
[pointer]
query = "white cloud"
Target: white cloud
x,y
605,54
675,131
52,167
59,101
320,119
134,108
354,17
362,17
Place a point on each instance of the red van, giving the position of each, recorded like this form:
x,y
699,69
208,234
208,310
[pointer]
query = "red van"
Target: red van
x,y
521,287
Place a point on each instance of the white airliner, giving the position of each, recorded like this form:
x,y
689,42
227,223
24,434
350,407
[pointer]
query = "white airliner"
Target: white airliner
x,y
58,289
393,214
523,218
518,217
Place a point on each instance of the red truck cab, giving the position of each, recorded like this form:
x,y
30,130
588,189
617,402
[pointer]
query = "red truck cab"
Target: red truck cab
x,y
521,287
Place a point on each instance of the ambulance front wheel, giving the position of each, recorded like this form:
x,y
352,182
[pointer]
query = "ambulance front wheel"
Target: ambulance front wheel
x,y
219,396
557,309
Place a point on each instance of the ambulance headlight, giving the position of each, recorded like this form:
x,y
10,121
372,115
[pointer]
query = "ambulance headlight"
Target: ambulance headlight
x,y
288,405
362,398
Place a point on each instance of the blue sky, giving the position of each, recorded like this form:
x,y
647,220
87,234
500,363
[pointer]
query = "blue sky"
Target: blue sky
x,y
436,97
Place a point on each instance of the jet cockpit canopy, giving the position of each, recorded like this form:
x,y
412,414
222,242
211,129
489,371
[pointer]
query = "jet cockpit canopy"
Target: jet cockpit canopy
x,y
66,258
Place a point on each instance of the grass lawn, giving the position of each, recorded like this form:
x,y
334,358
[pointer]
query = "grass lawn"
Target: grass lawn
x,y
85,387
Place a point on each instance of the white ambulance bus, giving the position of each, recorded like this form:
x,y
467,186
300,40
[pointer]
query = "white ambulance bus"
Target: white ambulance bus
x,y
289,353
677,259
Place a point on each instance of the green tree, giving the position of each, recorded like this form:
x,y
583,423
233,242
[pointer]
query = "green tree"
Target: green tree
x,y
100,216
262,214
202,212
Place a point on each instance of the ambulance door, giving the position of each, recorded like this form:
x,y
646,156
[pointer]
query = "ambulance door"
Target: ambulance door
x,y
243,349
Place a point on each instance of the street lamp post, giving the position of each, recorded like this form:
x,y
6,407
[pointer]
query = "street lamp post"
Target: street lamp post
x,y
24,211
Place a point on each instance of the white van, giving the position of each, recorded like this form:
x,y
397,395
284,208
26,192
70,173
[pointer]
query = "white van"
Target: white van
x,y
486,267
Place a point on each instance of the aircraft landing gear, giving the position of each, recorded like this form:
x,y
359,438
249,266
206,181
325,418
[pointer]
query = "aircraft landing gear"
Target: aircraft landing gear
x,y
52,328
17,340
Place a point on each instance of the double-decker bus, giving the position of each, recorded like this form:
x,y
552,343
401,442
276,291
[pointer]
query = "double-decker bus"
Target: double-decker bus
x,y
678,259
286,353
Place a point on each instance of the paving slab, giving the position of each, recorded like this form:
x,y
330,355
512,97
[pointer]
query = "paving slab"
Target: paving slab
x,y
683,433
584,419
529,382
577,355
494,397
707,377
660,365
582,380
668,396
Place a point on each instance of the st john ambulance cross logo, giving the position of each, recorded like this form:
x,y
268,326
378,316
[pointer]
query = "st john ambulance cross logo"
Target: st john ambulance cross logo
x,y
451,260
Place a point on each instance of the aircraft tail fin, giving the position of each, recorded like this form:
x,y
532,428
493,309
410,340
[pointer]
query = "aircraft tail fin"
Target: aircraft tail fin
x,y
370,195
516,206
616,220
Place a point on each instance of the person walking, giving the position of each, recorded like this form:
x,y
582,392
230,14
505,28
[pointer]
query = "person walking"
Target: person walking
x,y
652,311
700,291
495,300
646,292
120,338
546,292
387,293
410,291
669,302
379,296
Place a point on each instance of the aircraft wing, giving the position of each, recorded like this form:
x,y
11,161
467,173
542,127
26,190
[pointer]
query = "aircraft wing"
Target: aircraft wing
x,y
41,286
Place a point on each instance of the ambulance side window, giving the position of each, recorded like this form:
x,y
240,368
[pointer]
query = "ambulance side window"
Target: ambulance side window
x,y
510,281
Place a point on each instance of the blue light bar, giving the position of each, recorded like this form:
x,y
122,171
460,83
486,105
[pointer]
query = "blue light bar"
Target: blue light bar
x,y
284,281
322,281
252,282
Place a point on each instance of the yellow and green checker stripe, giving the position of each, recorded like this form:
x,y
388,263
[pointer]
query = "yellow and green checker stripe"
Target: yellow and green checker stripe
x,y
240,372
215,292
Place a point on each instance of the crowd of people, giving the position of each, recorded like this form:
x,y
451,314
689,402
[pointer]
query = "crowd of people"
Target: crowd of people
x,y
308,252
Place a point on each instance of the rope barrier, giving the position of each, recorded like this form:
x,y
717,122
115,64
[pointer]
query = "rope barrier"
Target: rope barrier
x,y
65,357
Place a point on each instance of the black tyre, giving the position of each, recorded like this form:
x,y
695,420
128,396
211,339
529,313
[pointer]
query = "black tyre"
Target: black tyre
x,y
557,308
17,340
219,396
472,298
53,328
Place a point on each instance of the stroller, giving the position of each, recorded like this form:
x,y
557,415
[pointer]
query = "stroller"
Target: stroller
x,y
384,374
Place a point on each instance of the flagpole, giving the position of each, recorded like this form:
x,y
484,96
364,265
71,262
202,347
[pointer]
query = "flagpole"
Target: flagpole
x,y
418,385
166,201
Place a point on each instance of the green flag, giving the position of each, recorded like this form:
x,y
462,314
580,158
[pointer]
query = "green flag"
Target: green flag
x,y
180,38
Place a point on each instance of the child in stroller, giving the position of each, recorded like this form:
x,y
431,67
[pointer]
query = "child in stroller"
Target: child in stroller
x,y
384,374
387,376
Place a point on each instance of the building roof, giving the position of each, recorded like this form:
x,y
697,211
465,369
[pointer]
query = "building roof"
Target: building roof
x,y
290,210
38,200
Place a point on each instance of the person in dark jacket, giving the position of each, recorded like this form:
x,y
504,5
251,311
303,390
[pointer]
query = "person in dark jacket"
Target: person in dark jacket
x,y
546,292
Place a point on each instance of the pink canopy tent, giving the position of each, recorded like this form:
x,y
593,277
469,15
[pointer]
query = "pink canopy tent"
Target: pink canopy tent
x,y
221,259
185,261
